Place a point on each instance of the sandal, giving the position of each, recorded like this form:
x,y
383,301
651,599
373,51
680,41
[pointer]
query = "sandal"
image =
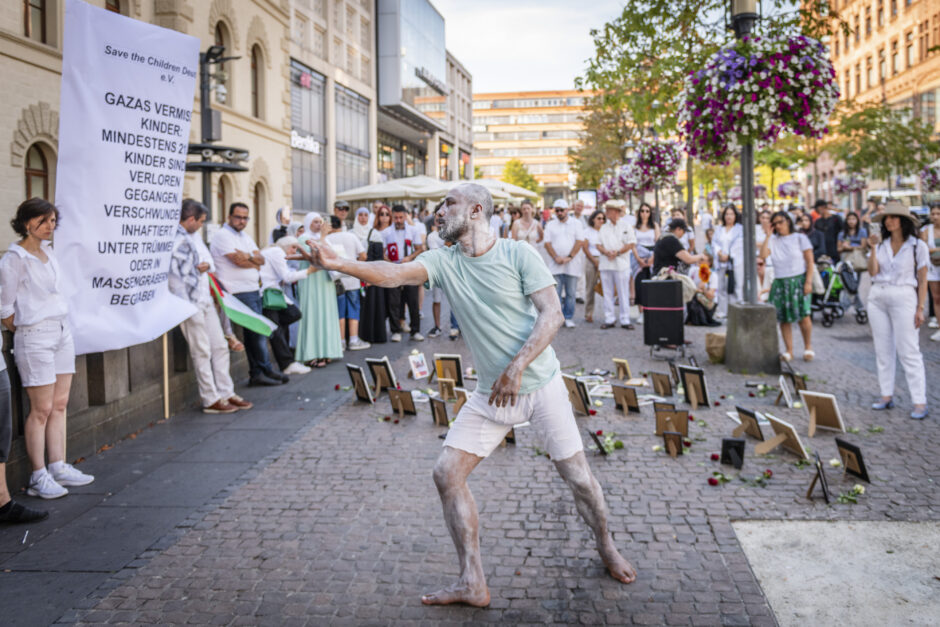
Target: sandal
x,y
786,357
234,344
319,363
808,355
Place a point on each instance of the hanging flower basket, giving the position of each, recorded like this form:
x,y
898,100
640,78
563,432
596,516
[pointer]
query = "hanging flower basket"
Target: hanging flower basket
x,y
846,184
715,194
755,90
788,189
930,178
655,164
760,191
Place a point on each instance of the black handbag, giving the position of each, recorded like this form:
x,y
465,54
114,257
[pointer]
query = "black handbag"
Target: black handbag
x,y
729,274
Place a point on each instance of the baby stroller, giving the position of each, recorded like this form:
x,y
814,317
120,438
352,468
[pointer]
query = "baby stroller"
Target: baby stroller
x,y
841,283
849,296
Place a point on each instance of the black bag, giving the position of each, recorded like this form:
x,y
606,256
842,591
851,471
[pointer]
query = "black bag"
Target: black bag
x,y
644,274
729,274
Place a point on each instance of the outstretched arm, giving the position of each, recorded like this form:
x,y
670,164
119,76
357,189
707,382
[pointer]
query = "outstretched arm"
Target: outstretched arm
x,y
380,273
506,388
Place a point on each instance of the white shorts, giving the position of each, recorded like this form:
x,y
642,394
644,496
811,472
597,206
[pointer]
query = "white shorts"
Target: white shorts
x,y
42,351
437,294
480,427
933,272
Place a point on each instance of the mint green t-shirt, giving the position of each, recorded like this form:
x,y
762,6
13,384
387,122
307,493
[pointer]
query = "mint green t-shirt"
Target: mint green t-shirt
x,y
490,297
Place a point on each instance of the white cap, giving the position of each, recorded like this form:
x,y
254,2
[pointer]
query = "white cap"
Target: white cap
x,y
561,203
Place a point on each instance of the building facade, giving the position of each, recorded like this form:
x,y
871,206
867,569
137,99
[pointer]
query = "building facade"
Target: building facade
x,y
538,128
889,55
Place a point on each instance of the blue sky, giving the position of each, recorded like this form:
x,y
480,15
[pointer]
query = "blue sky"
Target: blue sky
x,y
523,45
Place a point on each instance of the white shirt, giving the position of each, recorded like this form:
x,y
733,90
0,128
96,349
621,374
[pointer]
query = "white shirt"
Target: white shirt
x,y
592,236
204,257
894,269
234,279
730,242
563,236
30,290
435,240
614,237
496,223
275,273
421,230
786,254
399,243
349,247
705,220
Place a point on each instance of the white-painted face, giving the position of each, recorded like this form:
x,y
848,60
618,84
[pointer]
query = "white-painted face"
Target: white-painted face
x,y
453,218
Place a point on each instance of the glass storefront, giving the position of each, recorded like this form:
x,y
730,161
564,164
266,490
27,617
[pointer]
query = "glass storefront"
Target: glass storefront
x,y
444,161
398,158
308,138
352,139
464,164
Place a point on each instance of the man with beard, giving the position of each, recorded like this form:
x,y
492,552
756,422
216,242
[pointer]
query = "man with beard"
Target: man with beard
x,y
487,278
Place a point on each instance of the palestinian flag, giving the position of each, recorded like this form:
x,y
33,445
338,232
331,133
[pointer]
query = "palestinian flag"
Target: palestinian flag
x,y
239,313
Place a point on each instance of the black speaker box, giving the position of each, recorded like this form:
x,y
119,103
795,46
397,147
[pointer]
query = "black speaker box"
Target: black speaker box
x,y
663,313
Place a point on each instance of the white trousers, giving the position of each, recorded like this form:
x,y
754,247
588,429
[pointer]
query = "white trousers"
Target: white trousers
x,y
891,311
209,351
724,298
619,280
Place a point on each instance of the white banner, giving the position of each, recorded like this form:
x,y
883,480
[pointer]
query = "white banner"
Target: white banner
x,y
127,99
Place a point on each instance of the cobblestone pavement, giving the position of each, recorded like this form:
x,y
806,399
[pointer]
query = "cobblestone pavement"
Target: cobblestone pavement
x,y
343,525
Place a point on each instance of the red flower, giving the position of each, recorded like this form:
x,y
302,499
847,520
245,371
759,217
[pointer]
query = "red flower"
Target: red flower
x,y
398,387
387,418
395,421
593,412
751,394
722,397
712,481
715,457
336,387
687,442
691,418
768,473
717,404
600,432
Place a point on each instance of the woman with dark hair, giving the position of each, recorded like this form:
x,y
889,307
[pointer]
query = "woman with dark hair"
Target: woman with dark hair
x,y
728,244
817,239
791,292
898,269
647,233
374,305
853,242
33,307
592,271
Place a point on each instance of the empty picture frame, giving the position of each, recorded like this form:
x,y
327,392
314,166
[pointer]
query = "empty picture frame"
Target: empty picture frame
x,y
672,441
785,392
382,374
674,372
693,361
785,436
672,420
622,368
449,367
597,441
749,424
823,410
662,384
732,452
358,377
462,396
439,412
402,402
577,394
659,406
852,459
625,398
694,386
820,476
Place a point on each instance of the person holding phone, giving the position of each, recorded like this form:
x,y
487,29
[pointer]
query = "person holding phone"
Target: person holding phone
x,y
791,256
898,269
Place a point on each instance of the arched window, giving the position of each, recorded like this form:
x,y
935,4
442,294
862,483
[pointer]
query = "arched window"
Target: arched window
x,y
257,199
113,5
222,38
34,19
37,173
257,82
224,196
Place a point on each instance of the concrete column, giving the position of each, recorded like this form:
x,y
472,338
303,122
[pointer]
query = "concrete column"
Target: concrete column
x,y
454,162
434,154
374,147
331,174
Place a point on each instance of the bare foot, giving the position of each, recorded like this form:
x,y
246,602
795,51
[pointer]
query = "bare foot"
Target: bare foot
x,y
459,593
619,568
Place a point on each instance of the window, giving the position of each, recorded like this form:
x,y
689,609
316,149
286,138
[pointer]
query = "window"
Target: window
x,y
257,82
894,58
224,196
858,78
848,84
894,8
881,13
867,22
858,29
257,199
352,139
846,45
882,66
34,20
909,48
835,51
869,73
222,38
308,123
113,5
37,173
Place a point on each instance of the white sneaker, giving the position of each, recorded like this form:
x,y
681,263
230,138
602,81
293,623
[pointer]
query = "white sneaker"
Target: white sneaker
x,y
935,337
396,337
417,337
406,328
296,368
69,475
933,324
421,315
45,487
570,324
358,344
454,334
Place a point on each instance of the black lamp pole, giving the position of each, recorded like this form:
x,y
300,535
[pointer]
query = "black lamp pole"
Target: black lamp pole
x,y
743,16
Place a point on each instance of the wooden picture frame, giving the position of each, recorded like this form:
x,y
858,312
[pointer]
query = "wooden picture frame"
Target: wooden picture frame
x,y
439,412
823,410
674,420
449,366
693,361
852,459
382,374
784,392
402,402
672,442
622,368
820,477
674,372
787,392
597,441
660,406
732,452
695,387
461,396
785,436
446,388
662,384
358,377
625,398
577,394
749,424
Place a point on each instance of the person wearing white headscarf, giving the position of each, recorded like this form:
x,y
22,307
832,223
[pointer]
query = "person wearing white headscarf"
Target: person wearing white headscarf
x,y
282,217
362,224
318,339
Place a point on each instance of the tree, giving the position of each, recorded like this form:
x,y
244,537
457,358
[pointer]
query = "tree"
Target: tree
x,y
477,172
780,156
516,173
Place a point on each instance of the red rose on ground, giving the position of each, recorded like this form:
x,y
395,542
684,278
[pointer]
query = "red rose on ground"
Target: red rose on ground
x,y
387,418
398,387
712,481
600,432
768,473
691,418
717,404
687,442
593,412
395,421
336,387
751,394
722,396
715,457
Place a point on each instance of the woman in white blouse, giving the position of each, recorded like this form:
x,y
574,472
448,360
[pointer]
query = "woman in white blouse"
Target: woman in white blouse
x,y
277,277
898,269
728,244
33,307
592,271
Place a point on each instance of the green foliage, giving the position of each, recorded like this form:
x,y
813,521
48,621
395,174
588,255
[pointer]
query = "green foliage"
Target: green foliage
x,y
516,173
477,172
